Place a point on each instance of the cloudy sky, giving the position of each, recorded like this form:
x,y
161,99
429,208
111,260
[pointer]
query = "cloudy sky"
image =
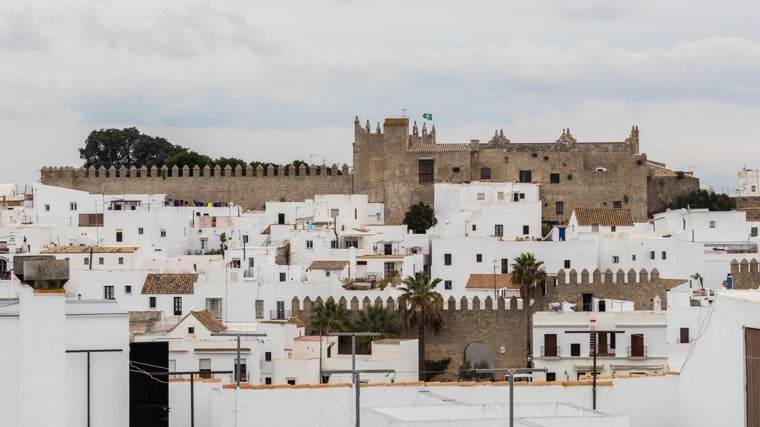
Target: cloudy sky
x,y
279,81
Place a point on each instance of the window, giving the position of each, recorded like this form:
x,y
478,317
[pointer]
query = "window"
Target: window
x,y
712,224
267,356
426,170
178,306
191,330
595,228
481,196
351,243
86,261
550,345
526,229
242,369
447,285
664,255
119,235
267,380
446,259
204,366
575,349
615,259
478,257
333,244
283,277
334,213
388,269
633,257
753,232
613,228
214,306
485,173
684,336
559,208
291,381
47,208
637,346
163,232
259,308
73,206
101,261
505,266
651,254
554,178
140,231
474,227
127,289
617,204
525,176
309,244
121,260
551,376
245,238
108,292
152,302
455,169
498,230
567,263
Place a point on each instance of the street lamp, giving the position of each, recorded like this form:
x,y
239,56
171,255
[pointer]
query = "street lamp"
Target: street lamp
x,y
511,372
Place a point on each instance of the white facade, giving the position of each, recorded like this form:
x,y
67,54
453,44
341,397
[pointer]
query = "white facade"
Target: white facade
x,y
748,182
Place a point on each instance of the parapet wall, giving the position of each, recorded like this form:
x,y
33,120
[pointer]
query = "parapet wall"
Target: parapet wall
x,y
502,324
250,188
745,274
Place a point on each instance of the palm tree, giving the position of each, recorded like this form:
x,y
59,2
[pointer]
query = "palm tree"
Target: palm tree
x,y
528,273
375,318
423,308
329,316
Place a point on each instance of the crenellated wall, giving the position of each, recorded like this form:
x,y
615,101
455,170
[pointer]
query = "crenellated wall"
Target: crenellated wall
x,y
745,274
467,320
250,188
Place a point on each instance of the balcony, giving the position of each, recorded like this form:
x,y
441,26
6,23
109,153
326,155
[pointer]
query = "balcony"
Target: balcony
x,y
550,351
639,351
279,314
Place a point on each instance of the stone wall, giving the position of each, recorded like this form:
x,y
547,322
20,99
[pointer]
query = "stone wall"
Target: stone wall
x,y
248,188
745,274
663,189
749,204
466,321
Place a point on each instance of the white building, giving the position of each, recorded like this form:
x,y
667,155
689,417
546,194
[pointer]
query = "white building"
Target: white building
x,y
748,182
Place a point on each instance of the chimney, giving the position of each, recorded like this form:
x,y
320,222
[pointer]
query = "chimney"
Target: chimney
x,y
42,340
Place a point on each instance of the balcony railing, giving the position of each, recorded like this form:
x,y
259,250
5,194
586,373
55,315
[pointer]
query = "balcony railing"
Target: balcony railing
x,y
551,351
637,351
279,314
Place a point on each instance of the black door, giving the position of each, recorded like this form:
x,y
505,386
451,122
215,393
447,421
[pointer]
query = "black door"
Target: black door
x,y
148,398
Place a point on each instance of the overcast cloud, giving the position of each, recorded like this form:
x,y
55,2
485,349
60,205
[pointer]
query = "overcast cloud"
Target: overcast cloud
x,y
279,81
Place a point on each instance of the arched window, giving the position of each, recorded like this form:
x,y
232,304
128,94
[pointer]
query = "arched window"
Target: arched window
x,y
485,173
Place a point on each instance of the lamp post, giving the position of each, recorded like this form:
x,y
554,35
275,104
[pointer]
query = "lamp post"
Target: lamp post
x,y
355,373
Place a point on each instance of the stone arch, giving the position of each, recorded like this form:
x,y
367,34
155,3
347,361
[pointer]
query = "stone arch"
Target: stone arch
x,y
479,351
423,194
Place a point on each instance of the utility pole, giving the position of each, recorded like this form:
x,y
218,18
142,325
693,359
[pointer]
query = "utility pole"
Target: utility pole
x,y
511,372
353,371
594,334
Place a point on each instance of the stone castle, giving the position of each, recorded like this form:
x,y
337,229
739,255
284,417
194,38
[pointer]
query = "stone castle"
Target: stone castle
x,y
400,168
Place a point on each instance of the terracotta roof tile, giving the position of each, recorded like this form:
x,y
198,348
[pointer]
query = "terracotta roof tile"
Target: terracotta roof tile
x,y
490,281
328,265
606,217
169,283
86,249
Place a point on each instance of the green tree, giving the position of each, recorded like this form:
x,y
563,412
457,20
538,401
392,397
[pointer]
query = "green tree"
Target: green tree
x,y
377,318
125,147
705,199
420,217
423,308
189,159
232,162
329,316
527,272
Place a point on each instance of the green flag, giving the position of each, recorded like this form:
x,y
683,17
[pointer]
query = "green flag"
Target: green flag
x,y
427,116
